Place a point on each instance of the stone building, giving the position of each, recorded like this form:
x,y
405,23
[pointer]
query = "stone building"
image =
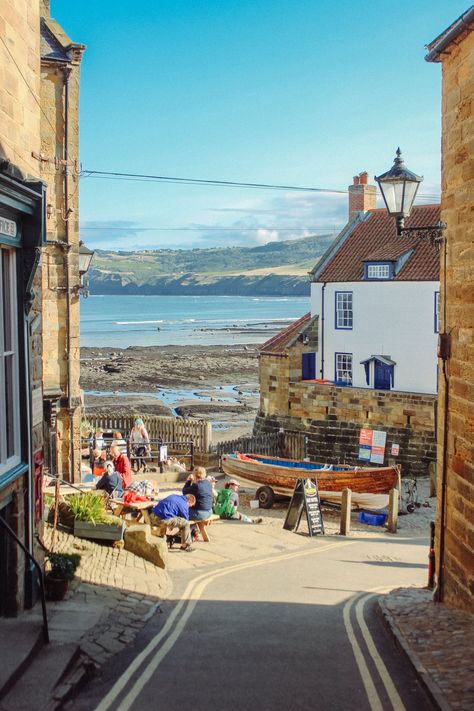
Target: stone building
x,y
30,192
362,360
59,168
454,48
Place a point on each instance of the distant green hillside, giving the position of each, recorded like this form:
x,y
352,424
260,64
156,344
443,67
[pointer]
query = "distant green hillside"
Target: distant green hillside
x,y
274,268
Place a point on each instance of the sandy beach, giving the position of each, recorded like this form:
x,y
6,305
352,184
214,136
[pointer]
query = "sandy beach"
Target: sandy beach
x,y
216,383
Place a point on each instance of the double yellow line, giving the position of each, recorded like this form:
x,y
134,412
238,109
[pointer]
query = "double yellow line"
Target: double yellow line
x,y
165,640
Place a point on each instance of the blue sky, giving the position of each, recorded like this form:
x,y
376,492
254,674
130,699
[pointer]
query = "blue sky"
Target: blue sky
x,y
301,92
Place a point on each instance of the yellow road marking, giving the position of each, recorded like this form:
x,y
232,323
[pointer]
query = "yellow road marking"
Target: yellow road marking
x,y
190,597
392,693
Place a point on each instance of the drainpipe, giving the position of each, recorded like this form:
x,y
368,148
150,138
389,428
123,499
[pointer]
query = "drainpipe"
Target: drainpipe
x,y
444,353
66,216
322,331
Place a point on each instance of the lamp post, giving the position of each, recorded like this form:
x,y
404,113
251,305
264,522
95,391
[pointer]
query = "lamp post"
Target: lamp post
x,y
399,187
85,259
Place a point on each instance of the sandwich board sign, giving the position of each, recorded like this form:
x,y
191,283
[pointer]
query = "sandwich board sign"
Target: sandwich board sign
x,y
305,498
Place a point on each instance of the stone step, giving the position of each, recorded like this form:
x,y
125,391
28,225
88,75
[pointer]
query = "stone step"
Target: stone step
x,y
35,688
21,638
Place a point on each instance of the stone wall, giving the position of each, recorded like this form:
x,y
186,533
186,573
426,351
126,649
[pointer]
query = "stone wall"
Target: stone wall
x,y
60,82
458,289
333,416
20,84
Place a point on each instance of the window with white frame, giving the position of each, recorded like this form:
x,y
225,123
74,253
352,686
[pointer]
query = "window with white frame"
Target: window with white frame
x,y
378,271
343,367
436,311
344,312
9,388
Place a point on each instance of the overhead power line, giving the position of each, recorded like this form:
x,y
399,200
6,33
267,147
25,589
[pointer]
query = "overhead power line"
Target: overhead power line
x,y
113,175
213,227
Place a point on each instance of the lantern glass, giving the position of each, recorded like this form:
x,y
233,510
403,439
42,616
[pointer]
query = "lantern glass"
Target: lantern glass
x,y
85,258
399,187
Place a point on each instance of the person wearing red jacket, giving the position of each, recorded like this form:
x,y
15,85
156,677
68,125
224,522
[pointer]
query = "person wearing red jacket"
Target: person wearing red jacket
x,y
122,465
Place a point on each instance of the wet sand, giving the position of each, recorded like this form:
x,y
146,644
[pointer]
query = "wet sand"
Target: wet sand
x,y
216,383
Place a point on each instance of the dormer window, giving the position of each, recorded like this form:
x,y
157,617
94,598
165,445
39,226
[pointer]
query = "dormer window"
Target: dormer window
x,y
378,270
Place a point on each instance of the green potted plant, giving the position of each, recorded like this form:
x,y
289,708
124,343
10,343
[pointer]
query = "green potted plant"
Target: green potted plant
x,y
63,568
91,519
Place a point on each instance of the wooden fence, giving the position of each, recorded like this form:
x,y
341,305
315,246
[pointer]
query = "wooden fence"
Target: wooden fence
x,y
168,429
288,444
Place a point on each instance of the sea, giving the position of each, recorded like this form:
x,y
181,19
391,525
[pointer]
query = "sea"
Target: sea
x,y
122,321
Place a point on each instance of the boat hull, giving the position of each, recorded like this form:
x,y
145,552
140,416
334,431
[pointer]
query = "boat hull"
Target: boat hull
x,y
282,479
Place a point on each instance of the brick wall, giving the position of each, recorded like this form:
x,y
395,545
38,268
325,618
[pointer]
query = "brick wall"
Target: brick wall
x,y
458,212
333,416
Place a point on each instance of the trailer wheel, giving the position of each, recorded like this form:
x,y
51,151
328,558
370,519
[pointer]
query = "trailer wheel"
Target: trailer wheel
x,y
266,497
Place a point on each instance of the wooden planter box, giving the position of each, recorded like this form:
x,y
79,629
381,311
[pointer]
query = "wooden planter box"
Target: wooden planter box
x,y
98,531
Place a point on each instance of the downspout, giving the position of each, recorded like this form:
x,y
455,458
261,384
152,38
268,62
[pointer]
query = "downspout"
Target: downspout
x,y
322,331
67,213
444,352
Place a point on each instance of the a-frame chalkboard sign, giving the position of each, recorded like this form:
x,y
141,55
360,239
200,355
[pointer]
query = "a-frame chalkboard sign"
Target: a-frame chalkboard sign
x,y
305,498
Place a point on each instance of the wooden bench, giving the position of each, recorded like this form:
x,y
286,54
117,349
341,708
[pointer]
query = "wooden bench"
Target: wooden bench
x,y
201,525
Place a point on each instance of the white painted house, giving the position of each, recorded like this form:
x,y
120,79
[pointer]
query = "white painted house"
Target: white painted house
x,y
377,299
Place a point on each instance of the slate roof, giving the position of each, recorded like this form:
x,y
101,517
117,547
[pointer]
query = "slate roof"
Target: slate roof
x,y
51,48
278,343
374,238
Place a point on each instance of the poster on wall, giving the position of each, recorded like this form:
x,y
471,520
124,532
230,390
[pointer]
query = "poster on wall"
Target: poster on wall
x,y
372,446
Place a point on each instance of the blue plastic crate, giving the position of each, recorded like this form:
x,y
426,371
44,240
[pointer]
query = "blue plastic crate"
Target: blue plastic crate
x,y
372,519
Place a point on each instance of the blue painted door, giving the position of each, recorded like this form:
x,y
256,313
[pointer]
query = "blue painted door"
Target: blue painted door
x,y
308,367
382,376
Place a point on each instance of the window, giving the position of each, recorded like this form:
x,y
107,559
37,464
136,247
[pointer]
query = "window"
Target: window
x,y
344,309
343,368
378,271
436,311
9,395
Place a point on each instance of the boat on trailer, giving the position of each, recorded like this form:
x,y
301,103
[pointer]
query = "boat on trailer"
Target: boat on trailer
x,y
277,476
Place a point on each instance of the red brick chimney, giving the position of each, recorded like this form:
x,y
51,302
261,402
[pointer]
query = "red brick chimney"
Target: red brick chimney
x,y
362,196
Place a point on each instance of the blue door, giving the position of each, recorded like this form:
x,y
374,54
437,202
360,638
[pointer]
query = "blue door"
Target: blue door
x,y
382,376
308,367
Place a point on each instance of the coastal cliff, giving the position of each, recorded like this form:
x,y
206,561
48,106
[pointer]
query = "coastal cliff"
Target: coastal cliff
x,y
273,269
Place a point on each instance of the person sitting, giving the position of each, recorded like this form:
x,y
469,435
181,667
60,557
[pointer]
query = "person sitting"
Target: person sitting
x,y
201,488
140,443
122,465
98,462
111,481
173,511
119,441
213,481
99,439
227,504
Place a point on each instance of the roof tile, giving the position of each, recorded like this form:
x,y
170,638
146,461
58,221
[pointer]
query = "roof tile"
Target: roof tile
x,y
278,343
376,239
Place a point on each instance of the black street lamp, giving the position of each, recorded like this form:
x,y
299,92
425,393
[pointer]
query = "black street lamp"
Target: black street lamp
x,y
85,259
399,187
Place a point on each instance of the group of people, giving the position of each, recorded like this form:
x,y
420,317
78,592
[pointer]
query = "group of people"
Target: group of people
x,y
197,502
116,472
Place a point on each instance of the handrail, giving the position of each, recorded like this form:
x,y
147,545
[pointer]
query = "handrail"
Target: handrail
x,y
40,576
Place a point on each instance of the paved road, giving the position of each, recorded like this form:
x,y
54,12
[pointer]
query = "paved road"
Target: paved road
x,y
293,630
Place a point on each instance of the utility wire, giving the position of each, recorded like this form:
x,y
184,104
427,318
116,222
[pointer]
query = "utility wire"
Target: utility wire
x,y
110,175
213,227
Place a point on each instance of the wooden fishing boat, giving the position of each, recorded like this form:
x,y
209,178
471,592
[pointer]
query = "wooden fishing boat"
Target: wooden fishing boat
x,y
277,476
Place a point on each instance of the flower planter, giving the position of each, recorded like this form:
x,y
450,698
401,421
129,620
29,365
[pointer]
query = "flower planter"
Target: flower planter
x,y
56,588
98,531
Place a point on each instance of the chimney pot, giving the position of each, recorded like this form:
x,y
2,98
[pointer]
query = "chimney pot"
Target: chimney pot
x,y
364,178
356,180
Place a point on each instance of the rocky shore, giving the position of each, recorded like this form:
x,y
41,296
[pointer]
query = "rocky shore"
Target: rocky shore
x,y
216,383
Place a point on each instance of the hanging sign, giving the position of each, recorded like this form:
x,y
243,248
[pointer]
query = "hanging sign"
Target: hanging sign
x,y
305,498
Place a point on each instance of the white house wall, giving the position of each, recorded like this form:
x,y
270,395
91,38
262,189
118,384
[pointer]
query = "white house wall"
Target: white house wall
x,y
395,319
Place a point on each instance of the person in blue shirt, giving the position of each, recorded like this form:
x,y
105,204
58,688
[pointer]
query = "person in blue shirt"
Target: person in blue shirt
x,y
173,511
111,481
199,486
